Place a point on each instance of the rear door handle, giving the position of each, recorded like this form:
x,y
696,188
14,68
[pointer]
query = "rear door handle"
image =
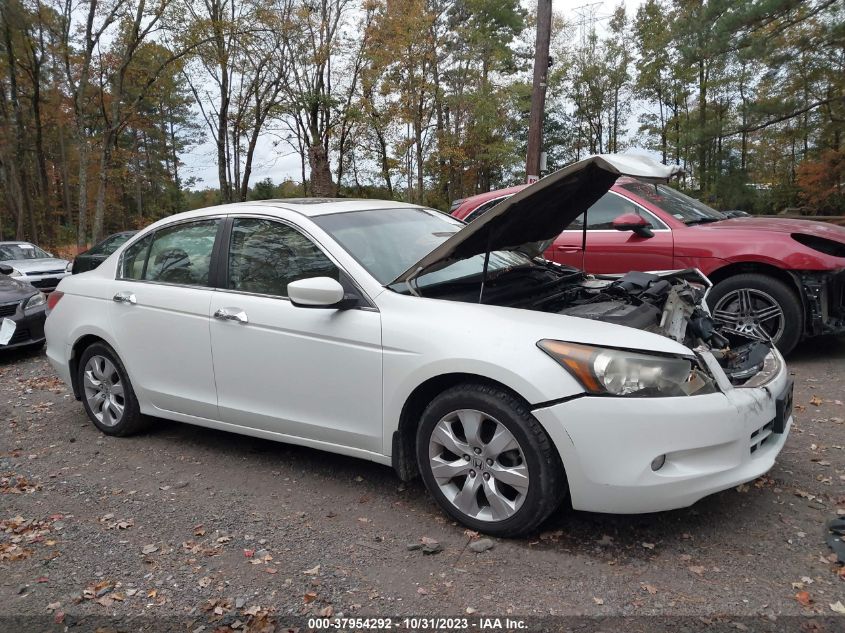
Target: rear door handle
x,y
231,314
125,297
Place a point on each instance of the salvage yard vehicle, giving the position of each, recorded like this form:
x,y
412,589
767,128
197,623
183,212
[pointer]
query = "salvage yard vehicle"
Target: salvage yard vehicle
x,y
97,254
777,277
22,313
396,333
33,265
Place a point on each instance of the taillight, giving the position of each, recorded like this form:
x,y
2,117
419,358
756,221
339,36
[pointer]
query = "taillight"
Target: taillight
x,y
53,300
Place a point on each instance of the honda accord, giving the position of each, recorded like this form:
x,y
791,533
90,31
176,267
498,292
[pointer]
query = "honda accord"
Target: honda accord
x,y
396,333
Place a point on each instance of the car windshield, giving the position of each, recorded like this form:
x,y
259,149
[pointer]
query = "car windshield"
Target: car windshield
x,y
109,245
387,242
20,250
687,210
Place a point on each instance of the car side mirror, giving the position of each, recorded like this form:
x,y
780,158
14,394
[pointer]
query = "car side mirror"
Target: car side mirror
x,y
320,292
5,269
633,222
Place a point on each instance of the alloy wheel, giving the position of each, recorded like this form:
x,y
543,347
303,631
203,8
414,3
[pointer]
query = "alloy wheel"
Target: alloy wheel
x,y
751,311
104,390
478,465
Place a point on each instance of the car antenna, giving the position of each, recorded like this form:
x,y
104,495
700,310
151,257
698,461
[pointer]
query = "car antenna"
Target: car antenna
x,y
486,264
584,243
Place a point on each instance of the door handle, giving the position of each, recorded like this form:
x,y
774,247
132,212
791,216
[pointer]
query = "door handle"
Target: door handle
x,y
125,297
231,314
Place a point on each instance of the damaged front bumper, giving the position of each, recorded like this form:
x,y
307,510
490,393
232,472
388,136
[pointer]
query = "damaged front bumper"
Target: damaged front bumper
x,y
823,296
702,444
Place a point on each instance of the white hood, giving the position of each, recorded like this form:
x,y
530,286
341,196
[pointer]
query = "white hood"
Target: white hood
x,y
541,211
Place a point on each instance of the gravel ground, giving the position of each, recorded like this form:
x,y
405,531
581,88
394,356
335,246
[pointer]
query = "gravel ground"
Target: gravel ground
x,y
200,525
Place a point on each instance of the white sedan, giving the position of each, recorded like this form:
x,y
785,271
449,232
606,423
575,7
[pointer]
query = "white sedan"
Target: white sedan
x,y
395,333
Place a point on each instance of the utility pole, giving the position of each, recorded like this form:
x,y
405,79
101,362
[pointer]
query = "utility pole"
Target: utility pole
x,y
538,90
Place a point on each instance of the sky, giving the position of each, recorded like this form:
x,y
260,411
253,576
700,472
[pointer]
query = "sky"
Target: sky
x,y
275,159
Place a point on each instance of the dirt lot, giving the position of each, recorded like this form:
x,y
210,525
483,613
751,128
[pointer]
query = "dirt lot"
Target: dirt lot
x,y
214,529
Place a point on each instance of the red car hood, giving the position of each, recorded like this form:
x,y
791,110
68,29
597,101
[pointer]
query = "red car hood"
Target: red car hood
x,y
781,225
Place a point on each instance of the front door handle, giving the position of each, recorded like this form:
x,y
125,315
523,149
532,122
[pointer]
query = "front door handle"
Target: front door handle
x,y
125,297
231,314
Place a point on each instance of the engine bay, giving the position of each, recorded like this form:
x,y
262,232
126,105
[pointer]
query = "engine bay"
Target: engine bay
x,y
668,304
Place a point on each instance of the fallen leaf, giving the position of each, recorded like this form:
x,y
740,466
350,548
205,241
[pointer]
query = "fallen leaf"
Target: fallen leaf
x,y
326,612
804,598
815,400
271,570
313,571
838,607
204,582
249,553
650,588
149,549
199,530
422,591
648,545
696,569
598,600
309,597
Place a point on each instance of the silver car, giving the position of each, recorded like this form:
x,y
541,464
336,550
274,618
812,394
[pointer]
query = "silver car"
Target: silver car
x,y
33,265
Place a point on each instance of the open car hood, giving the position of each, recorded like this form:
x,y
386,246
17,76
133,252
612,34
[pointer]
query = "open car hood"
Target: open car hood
x,y
526,220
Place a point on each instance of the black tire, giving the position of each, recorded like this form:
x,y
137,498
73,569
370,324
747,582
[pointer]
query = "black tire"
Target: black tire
x,y
783,295
131,421
547,486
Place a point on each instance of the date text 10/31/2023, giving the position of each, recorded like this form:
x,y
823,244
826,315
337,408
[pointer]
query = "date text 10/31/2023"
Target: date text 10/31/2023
x,y
421,623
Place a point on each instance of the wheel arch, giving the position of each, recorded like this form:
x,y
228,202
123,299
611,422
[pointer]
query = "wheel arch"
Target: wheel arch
x,y
760,268
79,346
403,449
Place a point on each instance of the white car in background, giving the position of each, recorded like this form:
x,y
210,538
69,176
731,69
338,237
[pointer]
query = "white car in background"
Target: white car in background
x,y
33,265
395,333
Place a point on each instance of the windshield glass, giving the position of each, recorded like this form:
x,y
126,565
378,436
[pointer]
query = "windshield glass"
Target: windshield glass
x,y
389,241
20,250
687,210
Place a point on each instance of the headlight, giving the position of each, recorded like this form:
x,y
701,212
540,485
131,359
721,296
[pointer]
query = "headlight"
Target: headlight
x,y
603,371
35,300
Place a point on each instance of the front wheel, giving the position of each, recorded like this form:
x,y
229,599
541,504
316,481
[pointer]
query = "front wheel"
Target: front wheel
x,y
761,306
488,462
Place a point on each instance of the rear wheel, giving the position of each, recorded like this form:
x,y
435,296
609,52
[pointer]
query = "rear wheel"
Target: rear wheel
x,y
488,462
107,393
761,306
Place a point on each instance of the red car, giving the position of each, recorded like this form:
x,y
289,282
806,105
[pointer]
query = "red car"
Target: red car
x,y
772,277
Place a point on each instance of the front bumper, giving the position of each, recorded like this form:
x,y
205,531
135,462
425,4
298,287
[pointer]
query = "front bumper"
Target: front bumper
x,y
29,327
711,442
45,282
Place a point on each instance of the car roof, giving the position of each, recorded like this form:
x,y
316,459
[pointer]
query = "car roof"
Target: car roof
x,y
308,207
16,242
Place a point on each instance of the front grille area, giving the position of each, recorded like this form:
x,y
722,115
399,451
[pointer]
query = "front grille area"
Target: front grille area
x,y
8,309
45,283
760,437
47,272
